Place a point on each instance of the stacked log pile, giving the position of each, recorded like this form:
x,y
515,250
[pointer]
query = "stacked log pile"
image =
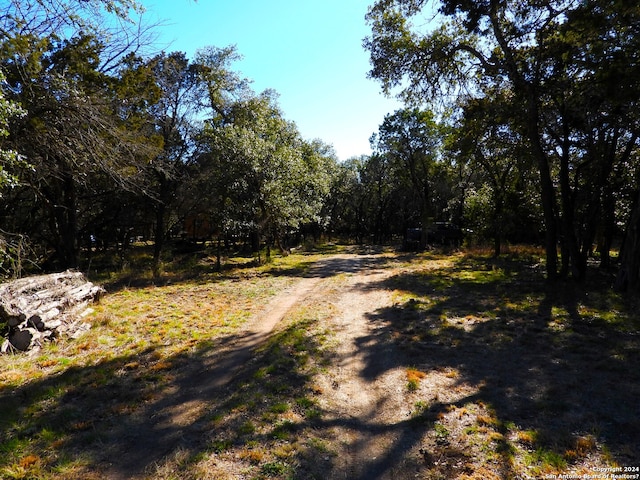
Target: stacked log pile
x,y
40,308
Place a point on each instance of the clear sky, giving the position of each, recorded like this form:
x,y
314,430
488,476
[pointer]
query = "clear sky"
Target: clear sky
x,y
309,51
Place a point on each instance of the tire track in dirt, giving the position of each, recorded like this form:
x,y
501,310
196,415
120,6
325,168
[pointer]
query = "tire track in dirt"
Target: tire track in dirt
x,y
366,402
172,422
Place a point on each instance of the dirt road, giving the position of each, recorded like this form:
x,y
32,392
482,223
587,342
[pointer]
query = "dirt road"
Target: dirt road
x,y
367,401
367,410
361,365
363,389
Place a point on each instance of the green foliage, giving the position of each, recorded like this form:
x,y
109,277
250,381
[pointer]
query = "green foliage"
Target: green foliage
x,y
268,178
45,17
441,432
273,469
410,140
539,90
9,159
529,131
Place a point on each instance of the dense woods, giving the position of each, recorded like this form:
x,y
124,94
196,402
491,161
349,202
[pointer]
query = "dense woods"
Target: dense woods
x,y
548,87
520,125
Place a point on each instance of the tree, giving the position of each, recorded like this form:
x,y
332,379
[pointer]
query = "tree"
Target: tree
x,y
174,122
453,56
111,20
319,168
596,100
11,246
539,51
70,132
58,58
345,205
489,139
377,178
9,159
274,181
411,139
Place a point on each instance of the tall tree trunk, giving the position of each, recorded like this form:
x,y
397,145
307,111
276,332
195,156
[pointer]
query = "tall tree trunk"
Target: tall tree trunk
x,y
159,234
628,278
158,237
255,240
219,254
570,249
608,226
70,229
61,201
547,195
497,233
609,212
528,92
425,213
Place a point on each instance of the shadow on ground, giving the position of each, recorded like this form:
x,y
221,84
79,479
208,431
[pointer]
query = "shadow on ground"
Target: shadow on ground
x,y
201,267
541,358
558,361
124,417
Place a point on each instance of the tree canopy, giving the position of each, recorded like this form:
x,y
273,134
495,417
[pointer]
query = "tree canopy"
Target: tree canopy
x,y
560,62
520,125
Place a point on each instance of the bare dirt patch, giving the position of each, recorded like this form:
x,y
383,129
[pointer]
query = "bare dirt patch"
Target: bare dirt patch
x,y
365,399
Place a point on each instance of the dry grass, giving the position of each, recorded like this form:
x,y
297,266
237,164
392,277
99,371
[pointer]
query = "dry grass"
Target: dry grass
x,y
543,374
142,333
504,377
413,378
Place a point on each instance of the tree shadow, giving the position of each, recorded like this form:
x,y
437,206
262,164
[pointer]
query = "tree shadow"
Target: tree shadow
x,y
201,268
540,359
552,360
123,417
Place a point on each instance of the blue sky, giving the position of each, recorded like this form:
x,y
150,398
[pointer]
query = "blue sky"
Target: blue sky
x,y
309,51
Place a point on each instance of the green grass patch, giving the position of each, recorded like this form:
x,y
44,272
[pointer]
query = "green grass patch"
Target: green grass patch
x,y
273,469
143,331
542,460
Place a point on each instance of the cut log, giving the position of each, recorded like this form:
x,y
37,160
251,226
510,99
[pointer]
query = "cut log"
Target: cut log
x,y
50,314
52,324
81,291
36,322
15,320
37,309
21,339
41,283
